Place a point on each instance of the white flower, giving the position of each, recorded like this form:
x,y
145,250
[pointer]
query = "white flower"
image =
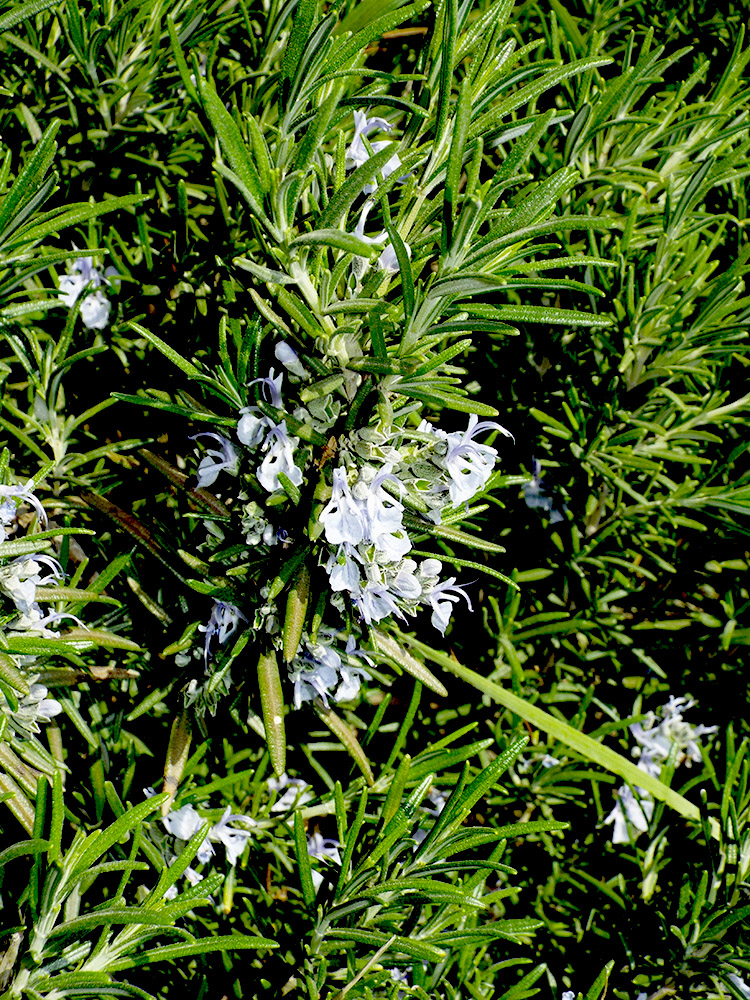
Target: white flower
x,y
468,463
217,459
630,813
406,582
312,679
184,823
348,689
279,448
223,622
234,839
343,571
320,672
658,740
43,707
288,358
357,153
95,308
9,509
193,876
442,598
318,847
252,428
375,602
342,517
384,519
388,261
360,265
295,794
190,874
19,579
568,995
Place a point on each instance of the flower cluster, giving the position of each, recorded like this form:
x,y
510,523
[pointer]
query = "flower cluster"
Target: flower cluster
x,y
449,469
663,738
363,524
320,671
20,578
259,432
26,714
184,823
83,276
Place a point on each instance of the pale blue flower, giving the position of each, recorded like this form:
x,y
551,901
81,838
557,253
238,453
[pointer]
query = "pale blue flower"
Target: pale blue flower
x,y
469,463
313,681
375,602
279,448
289,359
387,261
385,519
343,569
217,459
294,792
342,518
319,672
357,153
37,701
442,598
406,584
233,838
270,387
740,984
19,579
95,308
225,618
631,814
671,731
184,823
9,509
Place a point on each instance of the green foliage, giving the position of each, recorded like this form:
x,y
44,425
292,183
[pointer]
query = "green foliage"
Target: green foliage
x,y
558,193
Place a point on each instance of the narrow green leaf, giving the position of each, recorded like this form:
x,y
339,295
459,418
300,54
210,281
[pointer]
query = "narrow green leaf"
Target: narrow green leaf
x,y
99,842
391,648
352,187
231,141
339,240
296,611
169,352
272,702
592,751
23,12
343,732
170,952
303,861
21,849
